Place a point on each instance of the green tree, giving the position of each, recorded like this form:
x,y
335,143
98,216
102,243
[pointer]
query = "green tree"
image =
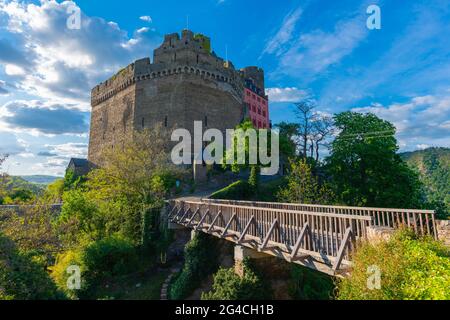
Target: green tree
x,y
22,196
21,277
365,167
246,143
304,187
288,133
123,194
230,286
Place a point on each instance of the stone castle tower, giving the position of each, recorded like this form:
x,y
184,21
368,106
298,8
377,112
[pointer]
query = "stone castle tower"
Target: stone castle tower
x,y
186,82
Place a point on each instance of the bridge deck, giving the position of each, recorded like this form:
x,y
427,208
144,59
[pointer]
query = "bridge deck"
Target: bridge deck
x,y
318,237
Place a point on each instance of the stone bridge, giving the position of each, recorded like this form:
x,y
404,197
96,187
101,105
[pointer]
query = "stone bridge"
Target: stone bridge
x,y
315,236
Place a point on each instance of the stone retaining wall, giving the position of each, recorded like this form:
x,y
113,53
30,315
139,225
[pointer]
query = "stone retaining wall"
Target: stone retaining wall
x,y
443,231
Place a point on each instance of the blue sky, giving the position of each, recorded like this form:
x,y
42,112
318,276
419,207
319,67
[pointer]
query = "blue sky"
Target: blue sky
x,y
318,49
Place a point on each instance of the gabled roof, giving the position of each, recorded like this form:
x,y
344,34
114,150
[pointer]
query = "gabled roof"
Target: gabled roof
x,y
79,162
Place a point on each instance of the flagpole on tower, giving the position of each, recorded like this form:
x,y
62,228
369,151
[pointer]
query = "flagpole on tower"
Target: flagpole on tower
x,y
226,53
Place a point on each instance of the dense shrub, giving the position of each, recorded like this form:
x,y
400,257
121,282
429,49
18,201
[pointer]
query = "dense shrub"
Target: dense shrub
x,y
229,286
201,259
21,277
97,261
307,284
241,190
411,268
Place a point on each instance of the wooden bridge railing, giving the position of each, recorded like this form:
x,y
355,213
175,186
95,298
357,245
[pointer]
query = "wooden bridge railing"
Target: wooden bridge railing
x,y
421,221
298,236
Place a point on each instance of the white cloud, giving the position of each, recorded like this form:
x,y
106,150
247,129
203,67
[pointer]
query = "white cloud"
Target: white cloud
x,y
26,155
290,94
62,65
422,146
14,70
284,33
146,18
421,121
142,30
35,117
10,144
69,150
48,71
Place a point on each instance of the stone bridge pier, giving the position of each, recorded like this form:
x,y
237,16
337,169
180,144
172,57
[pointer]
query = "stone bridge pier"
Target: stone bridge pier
x,y
241,253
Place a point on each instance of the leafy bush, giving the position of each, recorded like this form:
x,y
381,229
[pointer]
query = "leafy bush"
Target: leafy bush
x,y
97,261
21,277
241,190
230,286
200,260
33,230
411,268
307,284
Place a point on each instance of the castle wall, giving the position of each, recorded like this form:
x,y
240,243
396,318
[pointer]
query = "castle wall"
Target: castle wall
x,y
185,83
177,100
111,123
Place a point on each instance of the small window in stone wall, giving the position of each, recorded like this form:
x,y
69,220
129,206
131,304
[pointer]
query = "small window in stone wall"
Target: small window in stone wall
x,y
165,122
206,121
143,122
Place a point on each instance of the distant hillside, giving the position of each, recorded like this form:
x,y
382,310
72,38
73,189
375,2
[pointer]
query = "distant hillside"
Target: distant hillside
x,y
433,165
40,179
14,182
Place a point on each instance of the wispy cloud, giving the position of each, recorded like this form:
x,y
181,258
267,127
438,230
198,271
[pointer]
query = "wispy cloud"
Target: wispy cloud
x,y
312,53
417,57
284,33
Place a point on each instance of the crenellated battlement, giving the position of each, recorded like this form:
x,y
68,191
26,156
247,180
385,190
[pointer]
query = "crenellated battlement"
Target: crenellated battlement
x,y
186,54
113,86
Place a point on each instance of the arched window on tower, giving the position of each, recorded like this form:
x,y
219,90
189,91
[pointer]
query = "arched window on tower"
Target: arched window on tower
x,y
206,121
197,59
143,122
165,122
